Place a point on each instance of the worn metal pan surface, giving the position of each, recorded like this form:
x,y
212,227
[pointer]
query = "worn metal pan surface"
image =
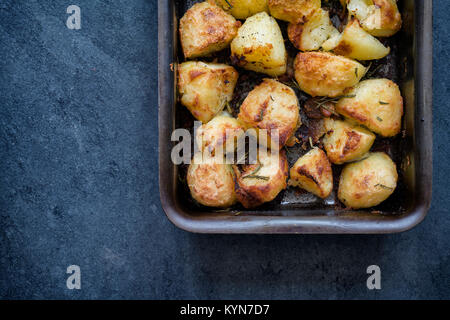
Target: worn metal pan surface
x,y
410,66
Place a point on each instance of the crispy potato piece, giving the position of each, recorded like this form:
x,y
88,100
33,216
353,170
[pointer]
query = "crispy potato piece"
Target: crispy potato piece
x,y
211,182
377,104
380,18
312,172
242,9
261,182
326,74
222,132
206,28
345,142
259,46
205,88
357,44
369,182
271,106
294,11
312,34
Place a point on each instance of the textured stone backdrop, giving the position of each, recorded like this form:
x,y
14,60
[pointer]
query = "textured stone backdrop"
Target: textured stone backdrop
x,y
78,181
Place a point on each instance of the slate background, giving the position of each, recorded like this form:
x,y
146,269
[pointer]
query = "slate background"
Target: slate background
x,y
78,181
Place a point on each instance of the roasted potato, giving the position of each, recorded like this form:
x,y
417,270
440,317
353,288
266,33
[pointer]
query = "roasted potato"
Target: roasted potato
x,y
261,182
242,9
222,132
326,74
271,106
357,44
345,142
312,172
205,88
294,11
259,46
312,34
380,18
369,182
376,104
211,182
206,28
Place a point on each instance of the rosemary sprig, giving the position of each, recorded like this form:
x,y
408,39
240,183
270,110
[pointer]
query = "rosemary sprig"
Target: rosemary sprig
x,y
324,100
254,175
371,73
383,186
229,4
230,111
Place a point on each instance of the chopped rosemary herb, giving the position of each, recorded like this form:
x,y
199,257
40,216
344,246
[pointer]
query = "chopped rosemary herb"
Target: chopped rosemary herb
x,y
382,102
256,170
229,4
261,115
229,108
383,186
256,177
356,72
379,119
271,98
323,100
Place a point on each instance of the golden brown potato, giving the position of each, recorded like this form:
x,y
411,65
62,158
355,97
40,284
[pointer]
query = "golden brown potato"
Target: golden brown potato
x,y
294,11
376,104
206,28
271,106
222,132
312,34
211,182
312,172
345,142
326,74
259,46
242,9
356,43
369,182
261,182
205,88
380,18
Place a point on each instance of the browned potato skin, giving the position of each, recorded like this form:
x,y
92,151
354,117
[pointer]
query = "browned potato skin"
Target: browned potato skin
x,y
242,9
206,28
326,74
211,183
221,131
368,182
271,105
378,105
253,192
313,173
259,46
346,142
205,88
294,11
384,22
391,19
304,36
360,45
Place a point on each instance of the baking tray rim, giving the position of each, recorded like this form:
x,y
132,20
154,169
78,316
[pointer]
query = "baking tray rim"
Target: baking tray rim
x,y
307,223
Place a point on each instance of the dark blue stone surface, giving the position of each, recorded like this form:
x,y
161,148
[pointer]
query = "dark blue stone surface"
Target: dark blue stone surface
x,y
78,179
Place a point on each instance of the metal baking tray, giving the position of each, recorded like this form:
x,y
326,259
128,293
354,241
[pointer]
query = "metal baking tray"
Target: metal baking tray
x,y
294,212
